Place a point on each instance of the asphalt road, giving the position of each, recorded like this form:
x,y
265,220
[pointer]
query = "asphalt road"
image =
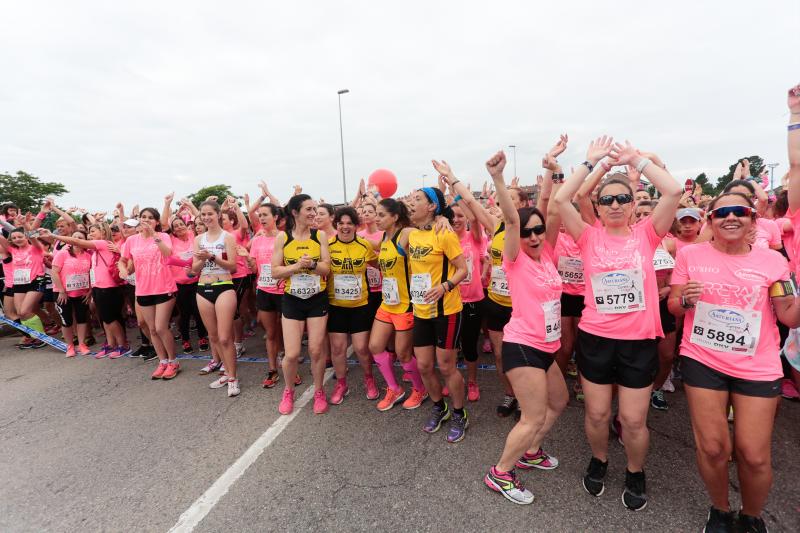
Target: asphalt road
x,y
97,446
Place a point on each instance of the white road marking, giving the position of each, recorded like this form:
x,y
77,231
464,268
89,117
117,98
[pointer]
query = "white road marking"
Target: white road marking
x,y
203,505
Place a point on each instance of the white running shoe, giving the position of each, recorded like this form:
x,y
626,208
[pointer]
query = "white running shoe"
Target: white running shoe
x,y
668,386
218,383
233,388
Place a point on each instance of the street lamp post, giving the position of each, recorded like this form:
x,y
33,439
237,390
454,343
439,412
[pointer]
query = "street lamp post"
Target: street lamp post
x,y
514,151
341,140
771,167
423,179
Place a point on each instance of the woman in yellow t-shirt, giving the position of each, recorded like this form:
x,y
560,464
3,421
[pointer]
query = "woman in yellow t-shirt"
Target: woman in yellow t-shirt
x,y
437,266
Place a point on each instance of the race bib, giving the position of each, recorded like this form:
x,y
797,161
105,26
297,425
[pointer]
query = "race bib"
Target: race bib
x,y
346,287
77,282
468,279
499,283
726,329
373,277
552,320
22,276
391,291
618,291
91,277
570,269
265,276
420,285
304,285
662,260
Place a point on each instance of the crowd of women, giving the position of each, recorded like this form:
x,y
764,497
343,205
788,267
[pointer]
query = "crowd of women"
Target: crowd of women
x,y
597,272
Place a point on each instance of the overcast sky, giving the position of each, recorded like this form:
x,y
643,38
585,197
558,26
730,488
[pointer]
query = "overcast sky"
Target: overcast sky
x,y
131,100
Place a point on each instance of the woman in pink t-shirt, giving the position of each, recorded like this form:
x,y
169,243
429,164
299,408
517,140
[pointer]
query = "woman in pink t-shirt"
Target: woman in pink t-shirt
x,y
71,268
235,223
28,279
620,326
531,338
730,293
180,263
147,254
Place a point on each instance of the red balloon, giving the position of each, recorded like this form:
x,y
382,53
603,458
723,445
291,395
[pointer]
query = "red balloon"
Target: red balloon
x,y
385,181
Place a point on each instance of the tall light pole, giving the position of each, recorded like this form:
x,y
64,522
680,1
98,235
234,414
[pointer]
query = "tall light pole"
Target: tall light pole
x,y
341,140
423,179
514,150
771,167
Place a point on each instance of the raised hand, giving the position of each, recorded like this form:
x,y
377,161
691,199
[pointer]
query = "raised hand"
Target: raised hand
x,y
515,182
212,198
549,162
496,164
443,168
297,190
246,199
633,174
624,154
362,187
559,147
692,292
599,148
168,198
263,186
794,101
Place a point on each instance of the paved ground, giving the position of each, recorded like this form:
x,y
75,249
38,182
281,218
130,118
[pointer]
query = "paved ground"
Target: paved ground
x,y
97,446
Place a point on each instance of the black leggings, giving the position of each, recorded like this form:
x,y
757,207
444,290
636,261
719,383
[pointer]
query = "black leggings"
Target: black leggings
x,y
76,305
471,318
187,307
109,302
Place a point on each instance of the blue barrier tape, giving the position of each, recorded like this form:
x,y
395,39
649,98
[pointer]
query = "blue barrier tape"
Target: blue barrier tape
x,y
55,343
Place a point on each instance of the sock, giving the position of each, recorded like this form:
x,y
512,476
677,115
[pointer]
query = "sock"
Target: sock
x,y
384,362
440,404
459,412
34,322
416,377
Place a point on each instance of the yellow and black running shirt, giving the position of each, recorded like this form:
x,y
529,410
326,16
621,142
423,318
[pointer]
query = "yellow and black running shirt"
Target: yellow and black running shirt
x,y
430,258
498,285
347,282
305,283
393,263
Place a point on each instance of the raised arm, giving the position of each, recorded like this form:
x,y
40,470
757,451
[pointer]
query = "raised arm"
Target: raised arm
x,y
265,191
495,166
167,211
552,182
481,214
794,148
80,243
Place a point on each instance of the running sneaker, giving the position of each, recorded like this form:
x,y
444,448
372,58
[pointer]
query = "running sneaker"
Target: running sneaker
x,y
298,380
249,333
487,346
415,399
539,460
239,349
70,351
473,392
438,415
33,344
719,521
507,406
391,399
320,402
187,347
406,377
52,329
104,351
139,351
668,385
445,392
84,350
202,344
233,388
211,367
634,497
287,402
122,351
149,353
172,370
371,388
657,400
572,369
616,427
272,379
458,426
751,524
788,390
160,369
219,382
507,484
339,392
90,341
595,474
577,388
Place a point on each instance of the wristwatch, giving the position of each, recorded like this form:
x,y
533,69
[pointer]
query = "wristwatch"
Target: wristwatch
x,y
156,240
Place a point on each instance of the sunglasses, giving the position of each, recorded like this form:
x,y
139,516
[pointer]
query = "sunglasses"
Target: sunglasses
x,y
608,199
526,232
737,210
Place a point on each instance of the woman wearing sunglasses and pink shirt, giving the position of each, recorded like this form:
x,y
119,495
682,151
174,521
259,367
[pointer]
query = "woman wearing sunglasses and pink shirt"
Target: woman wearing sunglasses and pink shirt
x,y
619,330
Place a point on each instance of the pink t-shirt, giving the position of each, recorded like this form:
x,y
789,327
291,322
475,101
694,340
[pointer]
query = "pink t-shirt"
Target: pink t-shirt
x,y
621,290
569,264
535,288
261,248
767,233
74,273
471,287
27,264
101,260
152,272
374,278
735,296
794,242
182,253
786,227
241,262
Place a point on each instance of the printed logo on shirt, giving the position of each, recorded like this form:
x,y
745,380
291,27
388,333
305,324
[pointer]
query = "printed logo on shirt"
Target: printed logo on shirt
x,y
418,252
387,265
726,316
750,275
347,264
704,269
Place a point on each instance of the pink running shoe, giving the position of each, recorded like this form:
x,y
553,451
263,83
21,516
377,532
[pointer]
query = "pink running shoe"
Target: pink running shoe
x,y
372,389
287,402
160,369
104,351
788,390
473,392
320,402
84,350
406,377
339,392
70,351
487,346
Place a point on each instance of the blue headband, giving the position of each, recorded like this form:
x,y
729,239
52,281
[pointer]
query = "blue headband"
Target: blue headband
x,y
431,194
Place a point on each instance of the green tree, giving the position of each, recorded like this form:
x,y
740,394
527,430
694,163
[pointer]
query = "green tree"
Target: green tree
x,y
707,187
220,191
27,191
756,166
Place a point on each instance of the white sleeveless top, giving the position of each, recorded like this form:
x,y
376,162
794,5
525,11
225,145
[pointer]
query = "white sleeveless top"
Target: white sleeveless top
x,y
217,248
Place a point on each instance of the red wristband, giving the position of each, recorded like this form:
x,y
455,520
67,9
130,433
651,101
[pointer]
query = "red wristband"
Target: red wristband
x,y
41,215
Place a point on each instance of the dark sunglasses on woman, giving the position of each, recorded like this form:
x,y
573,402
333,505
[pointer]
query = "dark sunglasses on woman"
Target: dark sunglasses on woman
x,y
737,210
608,199
526,232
